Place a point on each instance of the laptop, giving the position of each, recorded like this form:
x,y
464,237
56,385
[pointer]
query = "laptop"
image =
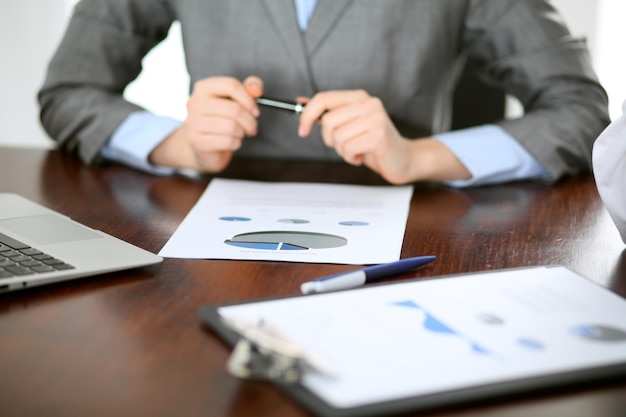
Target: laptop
x,y
41,246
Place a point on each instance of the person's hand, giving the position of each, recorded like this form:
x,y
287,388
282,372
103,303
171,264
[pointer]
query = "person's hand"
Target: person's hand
x,y
221,112
358,127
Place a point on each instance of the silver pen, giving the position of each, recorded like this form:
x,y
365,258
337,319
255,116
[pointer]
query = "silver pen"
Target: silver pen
x,y
290,106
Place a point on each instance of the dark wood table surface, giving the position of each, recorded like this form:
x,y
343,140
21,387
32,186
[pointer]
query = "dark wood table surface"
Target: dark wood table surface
x,y
132,343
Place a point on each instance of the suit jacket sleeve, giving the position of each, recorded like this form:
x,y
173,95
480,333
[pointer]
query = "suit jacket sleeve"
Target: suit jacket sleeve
x,y
82,97
524,47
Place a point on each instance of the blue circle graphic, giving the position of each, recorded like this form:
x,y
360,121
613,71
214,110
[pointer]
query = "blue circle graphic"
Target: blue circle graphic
x,y
235,219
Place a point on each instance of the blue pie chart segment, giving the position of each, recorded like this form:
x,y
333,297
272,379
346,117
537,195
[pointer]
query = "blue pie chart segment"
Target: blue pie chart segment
x,y
254,245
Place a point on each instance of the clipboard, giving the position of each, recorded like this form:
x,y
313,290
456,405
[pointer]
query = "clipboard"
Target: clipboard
x,y
480,336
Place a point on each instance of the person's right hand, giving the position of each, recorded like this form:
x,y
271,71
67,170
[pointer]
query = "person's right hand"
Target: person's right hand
x,y
221,112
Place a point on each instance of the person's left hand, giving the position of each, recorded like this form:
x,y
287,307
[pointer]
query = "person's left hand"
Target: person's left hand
x,y
358,127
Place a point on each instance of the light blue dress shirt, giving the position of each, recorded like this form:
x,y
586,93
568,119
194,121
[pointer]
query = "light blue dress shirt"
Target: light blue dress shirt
x,y
141,132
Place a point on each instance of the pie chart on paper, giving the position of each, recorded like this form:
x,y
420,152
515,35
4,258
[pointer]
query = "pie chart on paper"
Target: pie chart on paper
x,y
286,240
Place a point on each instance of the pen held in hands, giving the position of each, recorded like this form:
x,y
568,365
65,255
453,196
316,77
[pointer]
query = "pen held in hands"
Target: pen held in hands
x,y
290,106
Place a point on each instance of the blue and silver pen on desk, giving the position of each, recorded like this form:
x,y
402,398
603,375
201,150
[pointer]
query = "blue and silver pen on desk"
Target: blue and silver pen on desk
x,y
359,277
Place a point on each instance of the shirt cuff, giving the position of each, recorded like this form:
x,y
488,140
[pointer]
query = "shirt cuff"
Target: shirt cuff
x,y
137,136
491,155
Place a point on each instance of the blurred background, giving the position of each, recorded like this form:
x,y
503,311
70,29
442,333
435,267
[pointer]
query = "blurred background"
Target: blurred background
x,y
32,30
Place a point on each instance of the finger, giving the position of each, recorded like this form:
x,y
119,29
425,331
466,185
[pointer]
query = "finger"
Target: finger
x,y
207,143
226,87
355,160
218,126
230,110
353,141
344,123
314,109
325,103
254,86
205,138
200,108
354,150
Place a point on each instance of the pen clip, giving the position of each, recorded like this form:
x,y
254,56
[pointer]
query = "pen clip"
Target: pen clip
x,y
264,353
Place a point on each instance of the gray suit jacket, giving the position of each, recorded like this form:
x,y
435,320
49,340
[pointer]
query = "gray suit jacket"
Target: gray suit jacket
x,y
408,53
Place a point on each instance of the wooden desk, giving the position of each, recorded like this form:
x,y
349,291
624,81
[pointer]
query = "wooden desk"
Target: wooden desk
x,y
132,343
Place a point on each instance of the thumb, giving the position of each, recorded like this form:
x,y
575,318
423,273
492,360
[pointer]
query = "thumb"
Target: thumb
x,y
254,86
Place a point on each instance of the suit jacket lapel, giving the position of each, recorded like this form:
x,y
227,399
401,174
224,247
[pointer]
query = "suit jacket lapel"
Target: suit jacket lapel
x,y
282,14
325,16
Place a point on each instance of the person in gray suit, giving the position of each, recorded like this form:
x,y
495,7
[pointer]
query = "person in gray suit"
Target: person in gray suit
x,y
378,78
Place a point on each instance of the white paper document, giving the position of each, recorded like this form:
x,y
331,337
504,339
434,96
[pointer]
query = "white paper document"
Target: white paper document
x,y
412,339
296,222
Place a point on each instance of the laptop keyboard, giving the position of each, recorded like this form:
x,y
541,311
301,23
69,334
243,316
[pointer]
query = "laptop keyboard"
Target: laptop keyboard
x,y
18,259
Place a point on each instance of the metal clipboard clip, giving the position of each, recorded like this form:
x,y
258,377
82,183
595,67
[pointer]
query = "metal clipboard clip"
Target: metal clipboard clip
x,y
264,353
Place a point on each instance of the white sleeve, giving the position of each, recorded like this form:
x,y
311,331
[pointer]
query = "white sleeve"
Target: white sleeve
x,y
609,167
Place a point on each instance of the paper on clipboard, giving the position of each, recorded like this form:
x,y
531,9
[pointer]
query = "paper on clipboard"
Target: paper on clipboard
x,y
479,334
